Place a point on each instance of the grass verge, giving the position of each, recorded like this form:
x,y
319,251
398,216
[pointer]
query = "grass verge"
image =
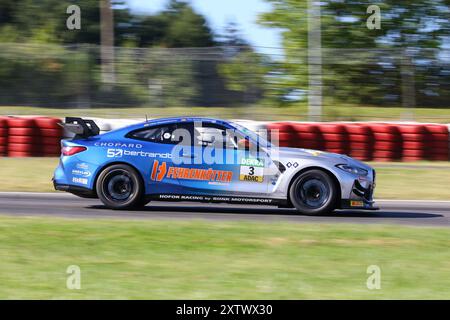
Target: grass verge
x,y
220,260
299,112
422,180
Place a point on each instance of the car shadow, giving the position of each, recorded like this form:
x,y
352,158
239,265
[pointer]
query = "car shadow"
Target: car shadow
x,y
279,212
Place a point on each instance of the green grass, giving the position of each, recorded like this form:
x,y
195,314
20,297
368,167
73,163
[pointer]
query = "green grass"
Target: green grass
x,y
424,180
219,260
27,174
299,112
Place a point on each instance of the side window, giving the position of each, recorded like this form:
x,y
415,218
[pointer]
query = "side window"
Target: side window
x,y
217,136
165,134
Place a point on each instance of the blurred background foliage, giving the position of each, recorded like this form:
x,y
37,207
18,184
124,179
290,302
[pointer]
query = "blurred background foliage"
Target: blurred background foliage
x,y
172,58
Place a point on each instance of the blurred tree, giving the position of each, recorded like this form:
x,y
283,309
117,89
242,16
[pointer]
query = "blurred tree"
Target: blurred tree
x,y
178,25
29,17
407,27
246,73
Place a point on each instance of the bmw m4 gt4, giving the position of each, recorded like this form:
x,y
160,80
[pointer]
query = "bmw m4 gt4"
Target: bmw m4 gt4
x,y
206,160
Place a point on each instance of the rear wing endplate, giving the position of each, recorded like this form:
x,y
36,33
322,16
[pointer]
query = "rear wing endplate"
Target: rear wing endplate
x,y
82,128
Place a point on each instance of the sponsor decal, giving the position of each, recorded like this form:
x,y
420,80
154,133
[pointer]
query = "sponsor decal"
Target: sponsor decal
x,y
252,170
83,173
356,204
161,171
315,153
80,180
119,145
175,197
82,166
292,165
119,153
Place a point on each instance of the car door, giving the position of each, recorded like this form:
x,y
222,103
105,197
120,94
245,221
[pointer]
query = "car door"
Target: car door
x,y
156,157
217,165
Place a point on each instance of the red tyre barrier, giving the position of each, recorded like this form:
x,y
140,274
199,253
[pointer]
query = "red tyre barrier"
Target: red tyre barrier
x,y
18,154
23,147
55,133
362,153
387,142
335,145
384,128
332,128
47,149
50,141
362,139
286,133
23,139
312,136
436,146
414,145
21,122
413,153
439,157
387,145
411,128
414,137
358,129
31,136
438,136
334,137
47,123
22,131
308,136
436,128
3,122
3,141
380,136
336,150
361,146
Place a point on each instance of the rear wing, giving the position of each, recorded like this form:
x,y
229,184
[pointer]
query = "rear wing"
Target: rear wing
x,y
82,128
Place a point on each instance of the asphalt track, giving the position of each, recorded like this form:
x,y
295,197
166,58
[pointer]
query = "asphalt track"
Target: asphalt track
x,y
416,212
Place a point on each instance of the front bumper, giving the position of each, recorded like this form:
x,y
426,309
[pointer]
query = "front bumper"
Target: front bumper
x,y
361,197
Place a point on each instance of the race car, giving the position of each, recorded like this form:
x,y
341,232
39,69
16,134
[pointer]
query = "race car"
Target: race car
x,y
206,160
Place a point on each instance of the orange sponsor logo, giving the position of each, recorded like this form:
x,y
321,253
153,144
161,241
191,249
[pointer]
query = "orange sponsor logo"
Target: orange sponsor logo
x,y
161,171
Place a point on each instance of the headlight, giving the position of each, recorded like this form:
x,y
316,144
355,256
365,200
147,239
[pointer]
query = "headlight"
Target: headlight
x,y
351,169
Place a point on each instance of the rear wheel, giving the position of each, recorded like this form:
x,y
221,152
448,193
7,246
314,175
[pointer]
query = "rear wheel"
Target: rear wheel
x,y
119,187
314,193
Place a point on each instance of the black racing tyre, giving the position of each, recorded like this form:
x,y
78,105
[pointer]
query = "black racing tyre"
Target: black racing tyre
x,y
314,193
120,187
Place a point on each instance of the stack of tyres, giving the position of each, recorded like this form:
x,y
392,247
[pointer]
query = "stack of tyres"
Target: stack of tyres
x,y
414,142
307,136
335,138
22,137
281,133
388,142
438,144
3,136
361,141
50,134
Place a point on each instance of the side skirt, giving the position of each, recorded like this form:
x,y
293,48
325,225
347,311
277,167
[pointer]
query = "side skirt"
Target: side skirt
x,y
217,199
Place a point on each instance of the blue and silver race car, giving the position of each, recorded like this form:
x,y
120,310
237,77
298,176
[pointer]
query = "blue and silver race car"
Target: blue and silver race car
x,y
206,160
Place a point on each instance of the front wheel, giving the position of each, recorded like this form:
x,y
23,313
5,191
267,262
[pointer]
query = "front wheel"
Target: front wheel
x,y
119,187
314,193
